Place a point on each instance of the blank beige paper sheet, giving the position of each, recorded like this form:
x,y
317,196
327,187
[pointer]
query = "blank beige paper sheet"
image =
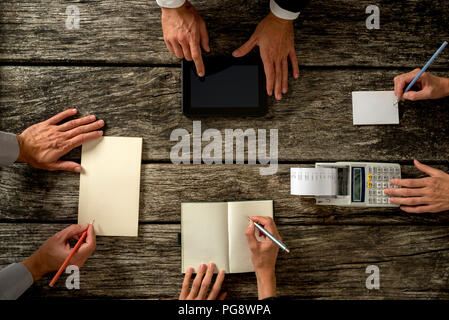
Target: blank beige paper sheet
x,y
110,185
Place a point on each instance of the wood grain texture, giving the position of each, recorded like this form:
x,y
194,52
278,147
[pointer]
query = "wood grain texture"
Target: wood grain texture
x,y
314,124
33,195
328,33
326,262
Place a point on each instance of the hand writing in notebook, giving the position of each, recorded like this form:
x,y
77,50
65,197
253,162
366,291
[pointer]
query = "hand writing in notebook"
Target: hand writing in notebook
x,y
263,256
200,285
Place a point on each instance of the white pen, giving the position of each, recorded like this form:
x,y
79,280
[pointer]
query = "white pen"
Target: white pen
x,y
269,235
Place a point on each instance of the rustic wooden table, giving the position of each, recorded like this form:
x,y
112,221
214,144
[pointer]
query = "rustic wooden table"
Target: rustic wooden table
x,y
116,66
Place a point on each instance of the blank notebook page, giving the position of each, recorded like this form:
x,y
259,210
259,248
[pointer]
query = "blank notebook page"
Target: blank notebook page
x,y
110,185
204,234
238,213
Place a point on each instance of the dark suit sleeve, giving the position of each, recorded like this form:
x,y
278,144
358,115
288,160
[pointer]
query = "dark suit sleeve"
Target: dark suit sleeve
x,y
292,5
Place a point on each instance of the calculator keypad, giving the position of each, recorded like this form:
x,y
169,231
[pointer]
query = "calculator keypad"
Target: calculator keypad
x,y
377,179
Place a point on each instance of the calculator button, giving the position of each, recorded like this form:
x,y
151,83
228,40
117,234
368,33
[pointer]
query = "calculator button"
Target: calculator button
x,y
396,170
370,170
378,177
370,177
370,185
391,170
384,200
379,185
378,200
385,185
379,193
385,170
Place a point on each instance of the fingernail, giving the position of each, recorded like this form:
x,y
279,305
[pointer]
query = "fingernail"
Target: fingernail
x,y
74,110
201,74
101,122
78,169
100,133
211,265
203,267
92,118
284,90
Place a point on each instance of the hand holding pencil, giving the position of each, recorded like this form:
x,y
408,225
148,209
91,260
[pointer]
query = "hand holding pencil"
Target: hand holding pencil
x,y
53,252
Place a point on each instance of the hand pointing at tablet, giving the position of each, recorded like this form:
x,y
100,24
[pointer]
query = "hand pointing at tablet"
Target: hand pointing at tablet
x,y
276,41
185,33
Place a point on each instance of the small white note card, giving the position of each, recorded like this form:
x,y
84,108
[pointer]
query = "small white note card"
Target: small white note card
x,y
374,107
110,184
313,181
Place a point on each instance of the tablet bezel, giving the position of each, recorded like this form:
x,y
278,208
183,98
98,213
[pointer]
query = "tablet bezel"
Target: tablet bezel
x,y
256,111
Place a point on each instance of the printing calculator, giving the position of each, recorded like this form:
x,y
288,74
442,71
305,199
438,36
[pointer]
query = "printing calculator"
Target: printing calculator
x,y
361,184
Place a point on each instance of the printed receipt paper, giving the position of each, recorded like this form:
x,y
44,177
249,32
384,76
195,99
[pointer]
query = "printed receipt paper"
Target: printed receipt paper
x,y
374,107
313,181
110,185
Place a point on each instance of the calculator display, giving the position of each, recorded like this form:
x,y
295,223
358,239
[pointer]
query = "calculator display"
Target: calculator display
x,y
357,184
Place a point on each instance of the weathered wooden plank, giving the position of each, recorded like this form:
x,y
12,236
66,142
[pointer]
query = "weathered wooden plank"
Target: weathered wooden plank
x,y
32,195
328,33
314,120
325,262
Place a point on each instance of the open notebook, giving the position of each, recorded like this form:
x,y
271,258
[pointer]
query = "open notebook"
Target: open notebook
x,y
215,232
110,184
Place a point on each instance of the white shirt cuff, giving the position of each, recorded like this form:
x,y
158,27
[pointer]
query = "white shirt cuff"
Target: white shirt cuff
x,y
170,3
282,13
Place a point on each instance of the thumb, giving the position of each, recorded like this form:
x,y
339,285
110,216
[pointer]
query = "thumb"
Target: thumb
x,y
88,247
222,296
74,229
250,235
426,169
416,95
65,166
245,48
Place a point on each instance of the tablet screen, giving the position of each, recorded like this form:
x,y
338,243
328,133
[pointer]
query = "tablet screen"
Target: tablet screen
x,y
236,86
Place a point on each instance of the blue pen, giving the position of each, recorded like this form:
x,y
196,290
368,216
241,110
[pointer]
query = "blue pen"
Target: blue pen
x,y
424,69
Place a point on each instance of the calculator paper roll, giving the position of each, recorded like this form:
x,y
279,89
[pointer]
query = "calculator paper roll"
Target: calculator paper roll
x,y
313,181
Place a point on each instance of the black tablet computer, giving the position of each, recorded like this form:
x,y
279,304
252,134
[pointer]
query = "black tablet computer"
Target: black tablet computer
x,y
231,87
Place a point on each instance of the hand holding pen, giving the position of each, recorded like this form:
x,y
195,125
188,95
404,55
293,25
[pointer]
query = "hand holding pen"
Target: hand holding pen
x,y
419,78
263,255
